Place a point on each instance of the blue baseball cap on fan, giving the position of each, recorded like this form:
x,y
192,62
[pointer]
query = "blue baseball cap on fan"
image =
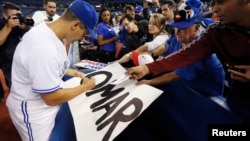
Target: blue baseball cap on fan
x,y
138,9
86,13
188,15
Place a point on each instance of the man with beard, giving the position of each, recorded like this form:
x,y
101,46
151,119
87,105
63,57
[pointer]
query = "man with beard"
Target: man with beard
x,y
48,15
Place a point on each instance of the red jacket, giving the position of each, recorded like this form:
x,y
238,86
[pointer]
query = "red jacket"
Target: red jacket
x,y
232,46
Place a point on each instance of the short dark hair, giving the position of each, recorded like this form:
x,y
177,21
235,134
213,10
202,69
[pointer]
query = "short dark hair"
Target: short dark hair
x,y
128,17
46,1
10,6
128,7
171,4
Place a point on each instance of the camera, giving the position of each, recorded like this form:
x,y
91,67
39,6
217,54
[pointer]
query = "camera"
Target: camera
x,y
25,20
50,18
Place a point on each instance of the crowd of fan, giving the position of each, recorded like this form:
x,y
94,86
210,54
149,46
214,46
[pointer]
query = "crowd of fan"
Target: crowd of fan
x,y
152,31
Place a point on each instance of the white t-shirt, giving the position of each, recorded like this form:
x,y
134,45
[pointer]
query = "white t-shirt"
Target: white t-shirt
x,y
39,63
158,40
41,16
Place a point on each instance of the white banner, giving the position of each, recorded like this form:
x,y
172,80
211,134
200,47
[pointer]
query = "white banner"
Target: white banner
x,y
105,111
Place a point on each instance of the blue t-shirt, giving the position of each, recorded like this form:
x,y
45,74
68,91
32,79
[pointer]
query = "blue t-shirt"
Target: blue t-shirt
x,y
107,31
206,76
122,36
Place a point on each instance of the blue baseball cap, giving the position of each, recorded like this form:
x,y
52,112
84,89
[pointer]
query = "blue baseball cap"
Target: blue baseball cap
x,y
188,15
86,13
138,9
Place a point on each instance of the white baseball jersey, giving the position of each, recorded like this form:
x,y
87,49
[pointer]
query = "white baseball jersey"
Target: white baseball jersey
x,y
41,16
39,63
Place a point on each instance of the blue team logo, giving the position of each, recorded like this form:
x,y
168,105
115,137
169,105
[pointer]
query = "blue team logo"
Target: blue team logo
x,y
64,68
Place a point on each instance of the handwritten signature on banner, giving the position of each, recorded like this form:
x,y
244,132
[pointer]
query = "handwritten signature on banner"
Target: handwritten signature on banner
x,y
105,111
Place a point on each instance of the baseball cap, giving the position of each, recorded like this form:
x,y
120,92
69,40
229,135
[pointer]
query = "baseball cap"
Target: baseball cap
x,y
86,13
134,57
141,59
138,9
188,15
145,59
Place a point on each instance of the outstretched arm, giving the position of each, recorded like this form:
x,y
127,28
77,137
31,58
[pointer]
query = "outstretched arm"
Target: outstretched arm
x,y
65,94
163,79
137,72
241,74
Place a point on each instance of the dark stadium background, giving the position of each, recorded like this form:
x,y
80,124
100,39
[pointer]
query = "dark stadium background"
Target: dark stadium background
x,y
29,6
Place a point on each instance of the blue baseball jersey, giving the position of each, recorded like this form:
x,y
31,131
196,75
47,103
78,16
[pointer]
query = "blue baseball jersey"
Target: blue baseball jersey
x,y
206,76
